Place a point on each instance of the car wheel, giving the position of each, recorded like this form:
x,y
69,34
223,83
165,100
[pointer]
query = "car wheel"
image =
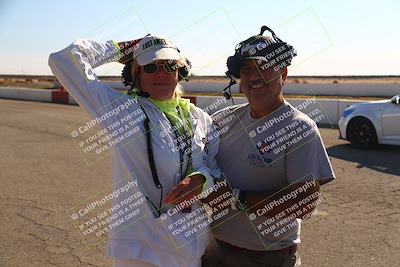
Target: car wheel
x,y
361,133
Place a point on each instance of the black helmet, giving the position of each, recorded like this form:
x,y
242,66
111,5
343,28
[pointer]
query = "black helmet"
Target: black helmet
x,y
266,50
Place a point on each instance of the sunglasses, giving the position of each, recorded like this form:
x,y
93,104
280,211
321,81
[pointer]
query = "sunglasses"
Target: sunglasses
x,y
153,68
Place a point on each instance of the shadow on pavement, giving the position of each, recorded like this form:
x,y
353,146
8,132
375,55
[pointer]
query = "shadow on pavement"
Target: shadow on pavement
x,y
383,158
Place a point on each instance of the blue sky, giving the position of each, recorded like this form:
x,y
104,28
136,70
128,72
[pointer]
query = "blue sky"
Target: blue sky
x,y
331,37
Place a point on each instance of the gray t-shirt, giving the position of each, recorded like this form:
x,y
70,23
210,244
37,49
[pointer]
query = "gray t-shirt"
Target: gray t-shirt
x,y
267,155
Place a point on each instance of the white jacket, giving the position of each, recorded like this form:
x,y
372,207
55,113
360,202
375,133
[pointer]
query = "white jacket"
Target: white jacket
x,y
147,239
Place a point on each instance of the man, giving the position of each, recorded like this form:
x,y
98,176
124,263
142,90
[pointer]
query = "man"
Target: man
x,y
273,157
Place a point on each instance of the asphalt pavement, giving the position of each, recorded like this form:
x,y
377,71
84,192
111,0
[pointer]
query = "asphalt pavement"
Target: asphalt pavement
x,y
42,175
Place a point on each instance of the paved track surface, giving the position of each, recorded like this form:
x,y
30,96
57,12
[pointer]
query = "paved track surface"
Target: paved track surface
x,y
42,175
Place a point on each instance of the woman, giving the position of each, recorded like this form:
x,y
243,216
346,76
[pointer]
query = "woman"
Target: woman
x,y
166,154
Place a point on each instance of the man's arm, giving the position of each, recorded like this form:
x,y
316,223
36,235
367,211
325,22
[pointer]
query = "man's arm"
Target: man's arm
x,y
299,199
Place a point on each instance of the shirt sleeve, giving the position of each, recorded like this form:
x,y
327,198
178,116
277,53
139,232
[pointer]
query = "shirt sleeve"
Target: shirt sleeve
x,y
210,168
207,178
308,160
212,148
73,67
212,171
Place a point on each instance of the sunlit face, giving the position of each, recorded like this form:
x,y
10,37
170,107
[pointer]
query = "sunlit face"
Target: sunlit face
x,y
160,84
261,87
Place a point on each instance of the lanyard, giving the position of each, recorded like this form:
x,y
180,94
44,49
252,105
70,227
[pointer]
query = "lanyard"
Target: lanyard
x,y
186,137
152,164
150,155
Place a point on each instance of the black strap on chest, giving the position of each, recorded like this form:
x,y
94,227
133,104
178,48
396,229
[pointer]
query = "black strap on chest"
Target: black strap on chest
x,y
152,164
150,154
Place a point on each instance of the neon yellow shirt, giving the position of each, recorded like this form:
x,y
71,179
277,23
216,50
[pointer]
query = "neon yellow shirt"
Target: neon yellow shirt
x,y
170,109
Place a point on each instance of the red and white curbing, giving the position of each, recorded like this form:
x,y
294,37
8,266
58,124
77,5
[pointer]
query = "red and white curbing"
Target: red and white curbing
x,y
40,95
60,96
332,109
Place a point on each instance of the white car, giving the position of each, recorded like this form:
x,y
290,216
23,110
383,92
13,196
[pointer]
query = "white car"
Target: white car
x,y
371,123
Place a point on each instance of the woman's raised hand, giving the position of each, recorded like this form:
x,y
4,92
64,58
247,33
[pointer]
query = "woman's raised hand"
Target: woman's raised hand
x,y
127,48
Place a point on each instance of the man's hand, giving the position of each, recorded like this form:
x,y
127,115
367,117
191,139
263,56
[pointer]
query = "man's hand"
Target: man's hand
x,y
127,48
185,190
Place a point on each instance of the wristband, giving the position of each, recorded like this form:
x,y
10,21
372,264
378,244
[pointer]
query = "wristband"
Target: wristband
x,y
242,204
239,200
